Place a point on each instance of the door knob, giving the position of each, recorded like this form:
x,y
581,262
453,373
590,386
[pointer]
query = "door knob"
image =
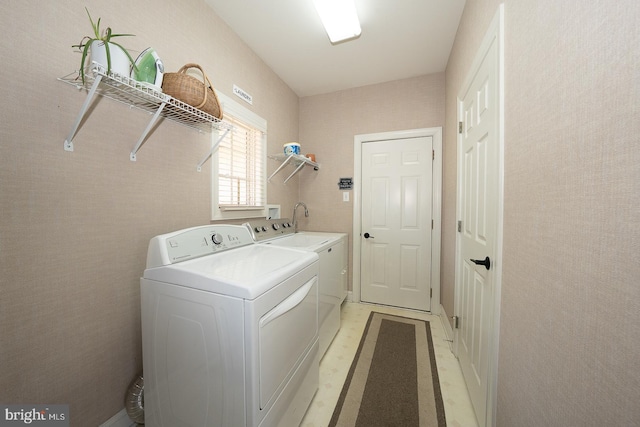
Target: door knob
x,y
486,262
367,236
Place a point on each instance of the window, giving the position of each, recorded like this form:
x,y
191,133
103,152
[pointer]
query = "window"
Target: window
x,y
239,165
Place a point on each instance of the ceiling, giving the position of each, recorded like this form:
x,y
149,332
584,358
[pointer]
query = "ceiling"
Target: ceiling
x,y
400,39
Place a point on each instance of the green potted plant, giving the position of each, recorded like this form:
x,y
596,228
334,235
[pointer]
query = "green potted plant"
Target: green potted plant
x,y
104,50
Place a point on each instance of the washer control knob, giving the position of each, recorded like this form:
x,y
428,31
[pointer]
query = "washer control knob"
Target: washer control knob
x,y
275,226
264,228
216,239
257,229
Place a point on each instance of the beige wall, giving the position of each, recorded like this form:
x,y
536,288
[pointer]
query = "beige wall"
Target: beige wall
x,y
328,124
74,227
570,311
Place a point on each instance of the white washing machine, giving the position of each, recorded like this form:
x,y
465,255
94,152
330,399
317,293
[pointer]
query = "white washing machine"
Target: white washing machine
x,y
333,274
229,330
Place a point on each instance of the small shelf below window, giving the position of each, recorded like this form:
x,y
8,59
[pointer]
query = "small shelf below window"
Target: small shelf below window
x,y
296,160
137,95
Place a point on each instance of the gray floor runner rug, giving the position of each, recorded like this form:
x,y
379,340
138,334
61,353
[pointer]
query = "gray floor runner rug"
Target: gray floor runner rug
x,y
393,381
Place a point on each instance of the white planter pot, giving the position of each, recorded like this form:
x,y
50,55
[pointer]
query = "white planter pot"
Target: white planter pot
x,y
119,60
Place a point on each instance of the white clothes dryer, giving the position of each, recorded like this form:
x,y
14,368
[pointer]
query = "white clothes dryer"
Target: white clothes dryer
x,y
229,330
333,269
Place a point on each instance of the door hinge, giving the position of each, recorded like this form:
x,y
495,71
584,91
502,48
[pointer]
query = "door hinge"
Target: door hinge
x,y
431,293
456,322
433,154
459,226
459,127
432,224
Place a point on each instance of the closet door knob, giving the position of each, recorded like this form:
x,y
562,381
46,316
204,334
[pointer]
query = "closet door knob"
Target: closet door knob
x,y
368,236
486,262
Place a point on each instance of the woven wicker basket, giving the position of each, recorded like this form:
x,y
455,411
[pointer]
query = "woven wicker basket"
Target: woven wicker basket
x,y
192,91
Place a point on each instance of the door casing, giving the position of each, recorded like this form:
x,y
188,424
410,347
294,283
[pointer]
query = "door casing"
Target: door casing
x,y
436,134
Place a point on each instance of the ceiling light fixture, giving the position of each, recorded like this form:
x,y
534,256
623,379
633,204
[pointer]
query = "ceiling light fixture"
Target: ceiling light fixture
x,y
339,18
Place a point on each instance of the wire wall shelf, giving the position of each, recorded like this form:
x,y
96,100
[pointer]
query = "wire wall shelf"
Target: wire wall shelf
x,y
141,96
296,160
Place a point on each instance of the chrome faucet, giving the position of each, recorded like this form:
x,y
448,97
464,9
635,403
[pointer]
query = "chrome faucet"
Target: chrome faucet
x,y
306,213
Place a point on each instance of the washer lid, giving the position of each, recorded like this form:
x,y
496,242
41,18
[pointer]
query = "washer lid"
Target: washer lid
x,y
245,272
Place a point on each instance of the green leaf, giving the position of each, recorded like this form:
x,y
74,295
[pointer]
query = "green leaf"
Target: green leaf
x,y
96,28
84,57
106,48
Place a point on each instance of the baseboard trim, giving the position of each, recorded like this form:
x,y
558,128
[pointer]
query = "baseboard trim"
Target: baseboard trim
x,y
444,319
121,419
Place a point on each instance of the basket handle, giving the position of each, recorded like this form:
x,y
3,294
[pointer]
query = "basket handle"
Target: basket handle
x,y
184,69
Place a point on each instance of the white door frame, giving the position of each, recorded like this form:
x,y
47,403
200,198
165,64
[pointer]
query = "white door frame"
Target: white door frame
x,y
358,140
494,33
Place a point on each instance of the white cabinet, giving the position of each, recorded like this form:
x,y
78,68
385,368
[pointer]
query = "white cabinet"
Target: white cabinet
x,y
332,282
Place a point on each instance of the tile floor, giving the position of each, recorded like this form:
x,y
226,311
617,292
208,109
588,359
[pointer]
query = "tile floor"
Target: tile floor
x,y
336,363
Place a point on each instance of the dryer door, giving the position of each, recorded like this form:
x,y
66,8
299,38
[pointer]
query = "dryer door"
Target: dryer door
x,y
286,333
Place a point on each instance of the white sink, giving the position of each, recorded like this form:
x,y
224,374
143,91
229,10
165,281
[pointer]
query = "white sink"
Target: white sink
x,y
300,240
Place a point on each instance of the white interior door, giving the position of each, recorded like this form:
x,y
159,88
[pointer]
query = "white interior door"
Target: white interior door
x,y
396,222
479,201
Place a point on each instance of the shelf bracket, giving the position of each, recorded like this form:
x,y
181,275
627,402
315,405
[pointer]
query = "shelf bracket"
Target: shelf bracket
x,y
68,143
294,172
208,156
286,161
153,121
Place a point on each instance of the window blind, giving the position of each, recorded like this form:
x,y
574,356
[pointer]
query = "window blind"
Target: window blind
x,y
240,168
